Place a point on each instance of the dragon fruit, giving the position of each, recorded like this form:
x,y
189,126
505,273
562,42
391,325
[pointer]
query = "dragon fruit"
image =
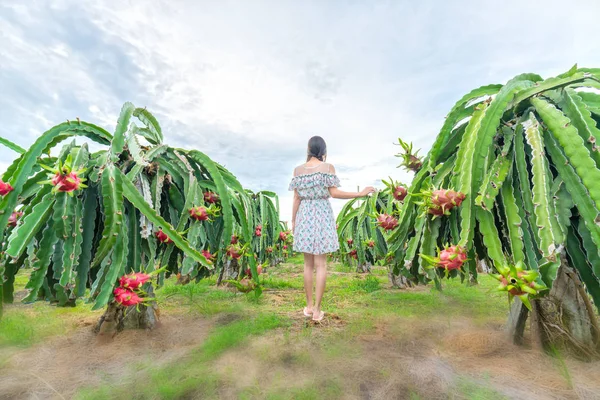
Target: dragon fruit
x,y
5,188
258,232
269,250
211,197
411,161
207,255
452,257
447,199
349,241
133,281
162,237
519,282
353,253
283,236
235,251
126,297
199,213
387,222
67,183
12,220
234,239
285,247
399,193
370,243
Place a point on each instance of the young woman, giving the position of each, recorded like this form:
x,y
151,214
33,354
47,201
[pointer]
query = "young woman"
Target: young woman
x,y
313,222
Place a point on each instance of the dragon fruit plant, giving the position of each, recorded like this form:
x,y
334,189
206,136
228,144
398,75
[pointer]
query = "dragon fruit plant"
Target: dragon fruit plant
x,y
132,206
516,172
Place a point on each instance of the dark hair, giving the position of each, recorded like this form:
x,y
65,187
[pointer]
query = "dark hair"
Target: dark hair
x,y
316,148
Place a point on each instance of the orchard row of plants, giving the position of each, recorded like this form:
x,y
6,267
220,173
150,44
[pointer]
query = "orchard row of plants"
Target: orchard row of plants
x,y
512,180
80,220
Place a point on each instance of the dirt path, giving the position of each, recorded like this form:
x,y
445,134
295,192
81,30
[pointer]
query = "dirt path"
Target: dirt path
x,y
57,368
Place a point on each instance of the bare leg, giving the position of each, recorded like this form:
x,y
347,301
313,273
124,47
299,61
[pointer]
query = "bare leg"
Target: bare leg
x,y
309,267
321,266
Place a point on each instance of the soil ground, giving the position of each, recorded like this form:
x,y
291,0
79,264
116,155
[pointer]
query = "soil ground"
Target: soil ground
x,y
375,342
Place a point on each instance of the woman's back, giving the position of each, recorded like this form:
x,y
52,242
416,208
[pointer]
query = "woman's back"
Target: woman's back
x,y
312,181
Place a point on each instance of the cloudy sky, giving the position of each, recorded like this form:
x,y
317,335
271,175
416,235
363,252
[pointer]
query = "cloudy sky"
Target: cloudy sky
x,y
249,81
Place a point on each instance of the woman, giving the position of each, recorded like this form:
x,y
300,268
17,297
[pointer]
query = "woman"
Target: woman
x,y
313,222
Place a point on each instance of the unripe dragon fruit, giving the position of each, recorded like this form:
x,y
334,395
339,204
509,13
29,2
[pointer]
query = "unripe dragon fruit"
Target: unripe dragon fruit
x,y
12,220
162,237
452,257
211,197
387,222
5,188
519,282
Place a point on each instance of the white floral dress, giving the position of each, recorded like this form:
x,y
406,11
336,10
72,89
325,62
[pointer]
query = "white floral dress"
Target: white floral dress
x,y
315,230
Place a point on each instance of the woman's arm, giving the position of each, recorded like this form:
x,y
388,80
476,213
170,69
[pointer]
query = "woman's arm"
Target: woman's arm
x,y
340,194
295,209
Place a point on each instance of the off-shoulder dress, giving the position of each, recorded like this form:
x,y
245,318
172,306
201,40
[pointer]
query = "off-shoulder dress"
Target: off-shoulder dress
x,y
315,230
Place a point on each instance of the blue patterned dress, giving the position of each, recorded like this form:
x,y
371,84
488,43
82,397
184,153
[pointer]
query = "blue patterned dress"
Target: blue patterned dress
x,y
315,231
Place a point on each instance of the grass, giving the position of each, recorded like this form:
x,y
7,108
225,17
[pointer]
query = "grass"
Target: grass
x,y
362,302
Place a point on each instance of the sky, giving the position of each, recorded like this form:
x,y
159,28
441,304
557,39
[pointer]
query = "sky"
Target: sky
x,y
248,82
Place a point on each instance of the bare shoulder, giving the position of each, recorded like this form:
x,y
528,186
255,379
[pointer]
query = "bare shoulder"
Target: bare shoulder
x,y
331,168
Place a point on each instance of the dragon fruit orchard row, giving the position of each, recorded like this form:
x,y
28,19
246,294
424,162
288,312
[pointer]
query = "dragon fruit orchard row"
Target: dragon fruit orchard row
x,y
81,220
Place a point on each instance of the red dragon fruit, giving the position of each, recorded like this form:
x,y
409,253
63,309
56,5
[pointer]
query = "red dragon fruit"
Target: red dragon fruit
x,y
234,239
5,188
211,197
371,243
353,253
134,281
67,182
162,237
12,220
199,213
207,255
126,297
234,251
258,231
442,201
452,257
283,236
399,193
387,222
350,242
285,247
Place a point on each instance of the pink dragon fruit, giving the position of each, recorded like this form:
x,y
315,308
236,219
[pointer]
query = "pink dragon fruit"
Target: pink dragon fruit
x,y
452,257
211,197
387,222
12,220
399,193
5,188
162,237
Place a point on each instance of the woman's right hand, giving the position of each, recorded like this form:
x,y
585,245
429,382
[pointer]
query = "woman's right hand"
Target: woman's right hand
x,y
367,191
